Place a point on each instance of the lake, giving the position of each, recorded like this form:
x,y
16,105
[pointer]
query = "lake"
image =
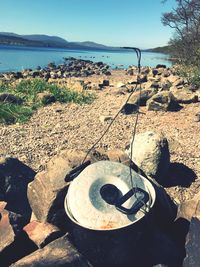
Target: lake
x,y
20,58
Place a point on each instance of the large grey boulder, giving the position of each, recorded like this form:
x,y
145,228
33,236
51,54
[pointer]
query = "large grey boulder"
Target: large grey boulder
x,y
150,153
142,96
58,253
162,101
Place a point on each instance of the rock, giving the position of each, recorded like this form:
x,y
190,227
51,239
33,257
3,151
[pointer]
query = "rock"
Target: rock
x,y
104,119
7,235
184,96
35,74
162,101
117,156
189,209
172,79
42,233
161,66
129,108
145,70
130,71
47,192
141,97
105,83
14,179
121,85
107,72
197,117
166,73
10,98
193,244
58,253
154,72
18,75
134,80
46,98
179,82
12,246
150,153
152,85
143,78
2,206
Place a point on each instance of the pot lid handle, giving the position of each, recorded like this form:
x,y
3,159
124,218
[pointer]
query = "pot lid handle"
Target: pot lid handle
x,y
141,200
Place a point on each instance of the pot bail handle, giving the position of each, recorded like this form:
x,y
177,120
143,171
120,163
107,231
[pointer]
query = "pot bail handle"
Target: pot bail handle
x,y
141,199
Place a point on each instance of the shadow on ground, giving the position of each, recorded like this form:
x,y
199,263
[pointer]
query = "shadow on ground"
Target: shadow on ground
x,y
179,174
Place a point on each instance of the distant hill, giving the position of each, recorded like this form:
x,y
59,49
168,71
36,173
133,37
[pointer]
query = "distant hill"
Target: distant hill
x,y
161,49
40,40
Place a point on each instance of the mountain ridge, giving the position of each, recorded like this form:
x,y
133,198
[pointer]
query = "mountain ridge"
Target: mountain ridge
x,y
42,40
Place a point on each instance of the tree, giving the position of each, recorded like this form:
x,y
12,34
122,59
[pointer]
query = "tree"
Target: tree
x,y
185,20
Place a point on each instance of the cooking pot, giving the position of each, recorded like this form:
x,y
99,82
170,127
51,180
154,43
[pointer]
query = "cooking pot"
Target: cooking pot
x,y
110,207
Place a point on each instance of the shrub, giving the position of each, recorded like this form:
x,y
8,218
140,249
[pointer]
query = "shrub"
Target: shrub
x,y
12,113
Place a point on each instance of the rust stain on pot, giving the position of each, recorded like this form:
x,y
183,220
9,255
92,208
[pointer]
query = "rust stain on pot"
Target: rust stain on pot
x,y
109,225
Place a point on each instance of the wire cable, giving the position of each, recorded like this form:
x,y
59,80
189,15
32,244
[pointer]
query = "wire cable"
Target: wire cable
x,y
138,54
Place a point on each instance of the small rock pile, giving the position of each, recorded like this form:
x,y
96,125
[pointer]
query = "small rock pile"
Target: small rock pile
x,y
161,89
35,230
70,68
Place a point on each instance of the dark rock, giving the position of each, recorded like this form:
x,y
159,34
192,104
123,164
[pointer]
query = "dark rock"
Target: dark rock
x,y
107,72
143,78
58,253
10,98
129,108
35,74
161,66
52,65
154,72
46,98
99,64
46,76
193,244
14,179
18,75
106,83
13,245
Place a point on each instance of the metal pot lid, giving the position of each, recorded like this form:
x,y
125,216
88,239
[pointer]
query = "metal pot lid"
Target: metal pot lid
x,y
101,197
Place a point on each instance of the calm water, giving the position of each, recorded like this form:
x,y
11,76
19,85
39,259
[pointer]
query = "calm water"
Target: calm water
x,y
19,58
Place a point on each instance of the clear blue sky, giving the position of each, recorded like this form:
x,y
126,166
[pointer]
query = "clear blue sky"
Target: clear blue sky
x,y
110,22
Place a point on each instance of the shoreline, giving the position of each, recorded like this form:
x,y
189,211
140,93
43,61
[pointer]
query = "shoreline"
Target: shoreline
x,y
57,127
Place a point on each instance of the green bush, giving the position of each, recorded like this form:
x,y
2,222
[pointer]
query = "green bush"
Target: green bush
x,y
191,73
28,91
